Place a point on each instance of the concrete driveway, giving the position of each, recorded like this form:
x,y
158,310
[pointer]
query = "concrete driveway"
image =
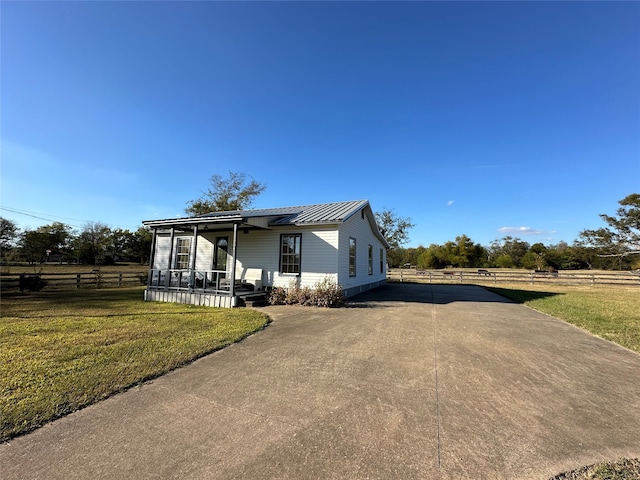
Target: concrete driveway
x,y
411,381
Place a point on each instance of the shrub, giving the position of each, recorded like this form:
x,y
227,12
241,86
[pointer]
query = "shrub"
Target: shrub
x,y
33,283
277,296
325,293
328,294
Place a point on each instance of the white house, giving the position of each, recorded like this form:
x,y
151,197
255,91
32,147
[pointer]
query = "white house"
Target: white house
x,y
218,258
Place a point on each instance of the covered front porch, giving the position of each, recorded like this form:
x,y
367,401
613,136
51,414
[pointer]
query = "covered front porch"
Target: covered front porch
x,y
211,288
194,261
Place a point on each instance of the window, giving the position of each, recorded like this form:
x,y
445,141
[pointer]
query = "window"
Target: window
x,y
381,261
370,260
183,247
352,257
290,253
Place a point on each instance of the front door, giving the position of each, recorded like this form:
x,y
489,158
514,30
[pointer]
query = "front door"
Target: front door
x,y
221,252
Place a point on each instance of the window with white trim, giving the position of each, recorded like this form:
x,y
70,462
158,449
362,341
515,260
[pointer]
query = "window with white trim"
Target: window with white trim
x,y
381,261
183,248
290,249
370,259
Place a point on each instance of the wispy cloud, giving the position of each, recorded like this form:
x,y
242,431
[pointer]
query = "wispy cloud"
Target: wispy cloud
x,y
524,231
450,202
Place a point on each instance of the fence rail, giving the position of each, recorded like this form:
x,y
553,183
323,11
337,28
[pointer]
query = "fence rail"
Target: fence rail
x,y
489,277
72,280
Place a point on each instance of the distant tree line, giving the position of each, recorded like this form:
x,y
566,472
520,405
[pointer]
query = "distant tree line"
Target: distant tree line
x,y
614,247
508,252
94,244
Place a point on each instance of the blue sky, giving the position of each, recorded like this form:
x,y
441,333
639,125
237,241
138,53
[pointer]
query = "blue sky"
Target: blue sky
x,y
484,118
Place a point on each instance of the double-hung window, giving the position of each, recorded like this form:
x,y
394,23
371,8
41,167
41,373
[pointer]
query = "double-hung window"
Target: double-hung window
x,y
370,260
290,253
352,257
381,261
183,247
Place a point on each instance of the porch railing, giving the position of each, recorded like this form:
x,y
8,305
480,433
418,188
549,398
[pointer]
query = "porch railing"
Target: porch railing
x,y
213,281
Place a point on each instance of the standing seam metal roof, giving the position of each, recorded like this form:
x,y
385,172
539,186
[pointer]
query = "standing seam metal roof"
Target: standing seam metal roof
x,y
323,213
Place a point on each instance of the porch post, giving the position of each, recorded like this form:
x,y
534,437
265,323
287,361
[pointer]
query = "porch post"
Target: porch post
x,y
192,276
152,256
232,288
167,278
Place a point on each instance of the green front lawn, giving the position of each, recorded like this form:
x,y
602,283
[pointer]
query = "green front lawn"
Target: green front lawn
x,y
61,351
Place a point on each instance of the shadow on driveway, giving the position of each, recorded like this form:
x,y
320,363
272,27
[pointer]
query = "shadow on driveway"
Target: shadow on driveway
x,y
435,294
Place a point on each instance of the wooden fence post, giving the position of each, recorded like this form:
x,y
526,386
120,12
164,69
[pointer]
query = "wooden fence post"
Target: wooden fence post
x,y
77,281
120,280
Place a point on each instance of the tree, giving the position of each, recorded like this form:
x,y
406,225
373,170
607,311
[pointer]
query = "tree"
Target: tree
x,y
565,257
138,245
465,253
93,243
535,258
622,236
393,228
225,194
507,252
8,233
37,244
433,257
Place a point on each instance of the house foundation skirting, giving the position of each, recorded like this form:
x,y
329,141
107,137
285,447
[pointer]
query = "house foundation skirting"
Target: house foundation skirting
x,y
350,292
191,298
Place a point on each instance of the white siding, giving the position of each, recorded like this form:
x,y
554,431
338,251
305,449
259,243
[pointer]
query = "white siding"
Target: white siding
x,y
204,255
261,249
163,247
319,255
360,229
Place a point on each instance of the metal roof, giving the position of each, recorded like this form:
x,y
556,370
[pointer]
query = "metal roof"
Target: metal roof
x,y
323,213
318,214
336,212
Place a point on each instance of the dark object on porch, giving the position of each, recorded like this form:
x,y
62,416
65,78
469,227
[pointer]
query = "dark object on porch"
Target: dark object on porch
x,y
239,287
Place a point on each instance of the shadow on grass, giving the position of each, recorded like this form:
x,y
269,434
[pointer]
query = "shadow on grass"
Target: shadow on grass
x,y
521,296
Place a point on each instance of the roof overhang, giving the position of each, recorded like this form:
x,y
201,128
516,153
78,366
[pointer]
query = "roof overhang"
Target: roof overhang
x,y
204,223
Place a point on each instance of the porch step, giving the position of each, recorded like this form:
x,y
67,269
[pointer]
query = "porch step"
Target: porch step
x,y
254,300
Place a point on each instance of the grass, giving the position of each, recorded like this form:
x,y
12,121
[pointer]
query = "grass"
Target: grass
x,y
624,469
62,351
612,313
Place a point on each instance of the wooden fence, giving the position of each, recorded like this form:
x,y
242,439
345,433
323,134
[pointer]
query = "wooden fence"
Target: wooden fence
x,y
490,277
72,280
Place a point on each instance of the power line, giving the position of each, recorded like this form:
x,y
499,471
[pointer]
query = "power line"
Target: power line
x,y
38,215
51,218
